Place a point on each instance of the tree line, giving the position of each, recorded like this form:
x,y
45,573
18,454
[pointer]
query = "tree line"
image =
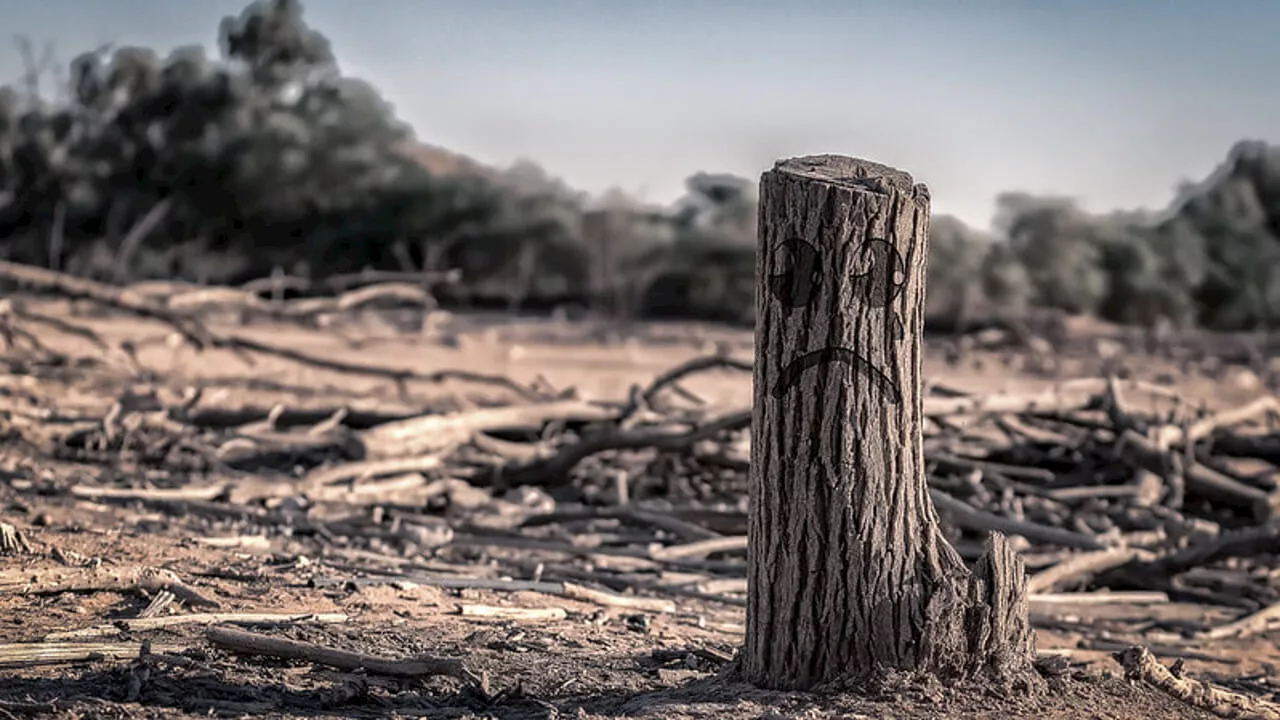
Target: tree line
x,y
221,169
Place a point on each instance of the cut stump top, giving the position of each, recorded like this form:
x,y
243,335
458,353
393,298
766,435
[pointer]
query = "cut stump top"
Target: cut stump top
x,y
852,173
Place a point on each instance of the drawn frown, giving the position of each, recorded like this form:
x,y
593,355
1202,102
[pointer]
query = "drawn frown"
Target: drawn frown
x,y
799,283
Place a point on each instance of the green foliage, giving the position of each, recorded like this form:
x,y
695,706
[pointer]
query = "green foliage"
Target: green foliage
x,y
266,156
953,289
1058,245
1006,284
221,168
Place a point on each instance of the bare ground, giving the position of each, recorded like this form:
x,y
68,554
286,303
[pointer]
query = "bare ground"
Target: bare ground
x,y
590,662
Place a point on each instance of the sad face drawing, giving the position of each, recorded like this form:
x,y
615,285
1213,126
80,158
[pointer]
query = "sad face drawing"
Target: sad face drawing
x,y
879,278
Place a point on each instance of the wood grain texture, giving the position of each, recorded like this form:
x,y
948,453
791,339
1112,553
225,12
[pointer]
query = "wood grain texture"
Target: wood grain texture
x,y
848,572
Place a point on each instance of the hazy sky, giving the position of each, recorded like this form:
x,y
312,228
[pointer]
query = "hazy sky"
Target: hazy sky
x,y
1111,102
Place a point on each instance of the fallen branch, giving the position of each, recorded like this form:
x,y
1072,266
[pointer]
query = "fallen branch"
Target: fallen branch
x,y
155,623
1146,454
77,288
1252,624
1140,664
1099,598
317,480
556,470
156,495
248,643
1081,568
700,548
100,579
399,377
568,590
971,518
433,432
498,612
20,655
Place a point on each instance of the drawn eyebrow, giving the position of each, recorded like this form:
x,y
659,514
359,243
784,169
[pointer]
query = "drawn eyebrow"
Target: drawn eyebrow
x,y
791,373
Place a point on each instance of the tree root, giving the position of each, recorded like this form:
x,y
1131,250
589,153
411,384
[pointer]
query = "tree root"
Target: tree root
x,y
982,630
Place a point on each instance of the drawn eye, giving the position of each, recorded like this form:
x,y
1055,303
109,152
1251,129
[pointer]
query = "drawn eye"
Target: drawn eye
x,y
882,273
798,283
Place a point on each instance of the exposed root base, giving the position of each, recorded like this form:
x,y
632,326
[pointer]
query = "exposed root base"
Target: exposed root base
x,y
976,630
932,688
983,630
918,686
907,696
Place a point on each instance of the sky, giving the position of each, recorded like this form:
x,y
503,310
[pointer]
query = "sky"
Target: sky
x,y
1113,103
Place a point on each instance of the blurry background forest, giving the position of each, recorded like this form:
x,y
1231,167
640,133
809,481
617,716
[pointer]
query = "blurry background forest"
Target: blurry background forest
x,y
127,166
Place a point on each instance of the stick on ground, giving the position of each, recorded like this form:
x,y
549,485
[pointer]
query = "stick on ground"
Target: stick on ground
x,y
248,643
1140,664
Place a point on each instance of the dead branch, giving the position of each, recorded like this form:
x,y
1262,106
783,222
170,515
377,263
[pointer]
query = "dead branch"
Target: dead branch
x,y
76,288
701,548
971,518
226,417
1075,395
556,470
499,612
21,655
340,283
1140,664
1081,568
242,299
100,579
1172,435
319,479
433,432
685,369
400,377
1252,624
564,589
1099,598
1145,454
657,519
248,643
200,337
156,495
156,623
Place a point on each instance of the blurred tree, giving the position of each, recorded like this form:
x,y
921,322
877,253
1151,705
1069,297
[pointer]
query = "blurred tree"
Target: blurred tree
x,y
1236,216
1053,239
953,289
220,168
1006,284
720,207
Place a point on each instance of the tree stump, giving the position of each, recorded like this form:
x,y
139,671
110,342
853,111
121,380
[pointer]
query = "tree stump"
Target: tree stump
x,y
849,574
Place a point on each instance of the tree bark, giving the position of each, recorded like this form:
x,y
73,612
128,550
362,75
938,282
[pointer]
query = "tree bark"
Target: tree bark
x,y
849,574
